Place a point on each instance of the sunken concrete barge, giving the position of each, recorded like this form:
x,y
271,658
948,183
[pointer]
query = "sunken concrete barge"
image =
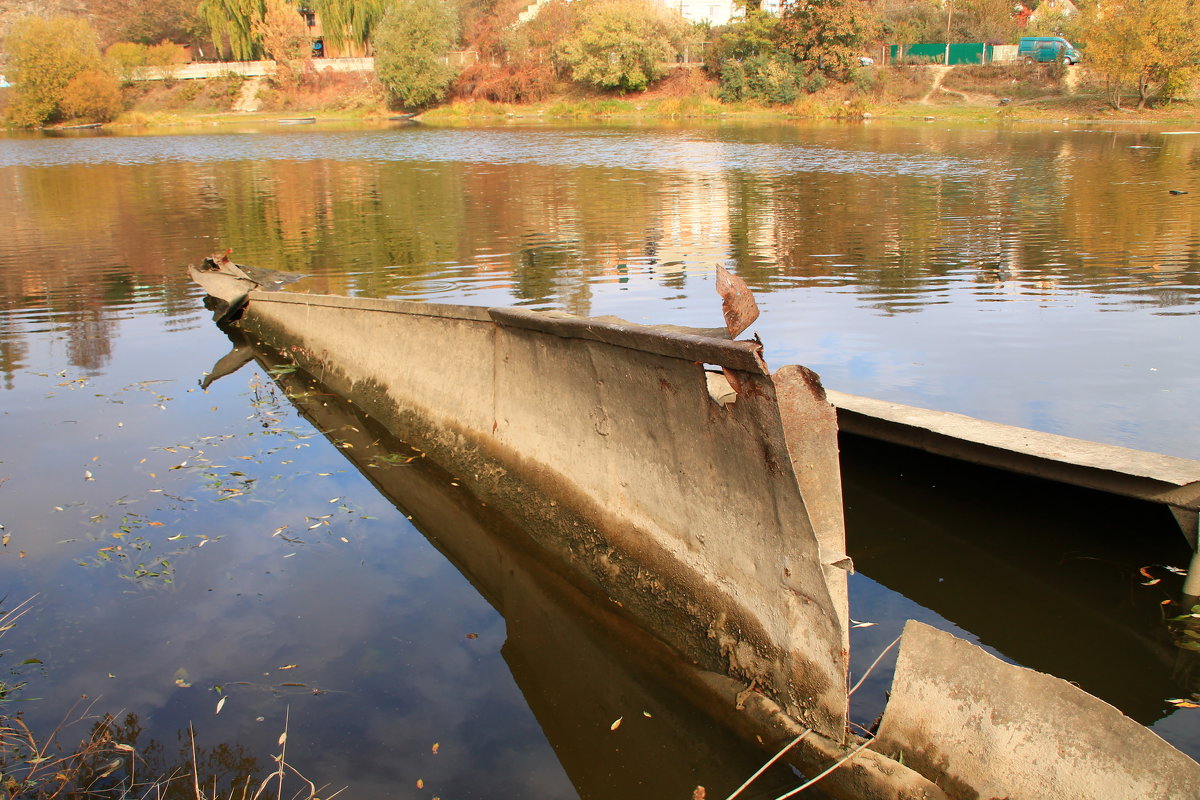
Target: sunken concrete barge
x,y
681,483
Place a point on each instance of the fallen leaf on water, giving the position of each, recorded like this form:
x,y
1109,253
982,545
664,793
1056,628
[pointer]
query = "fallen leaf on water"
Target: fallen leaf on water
x,y
87,475
472,635
420,783
647,714
288,666
699,793
283,737
436,747
221,704
856,624
175,538
344,539
6,539
616,724
1180,702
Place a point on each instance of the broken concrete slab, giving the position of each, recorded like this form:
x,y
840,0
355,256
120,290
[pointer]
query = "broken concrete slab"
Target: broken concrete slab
x,y
1108,468
981,728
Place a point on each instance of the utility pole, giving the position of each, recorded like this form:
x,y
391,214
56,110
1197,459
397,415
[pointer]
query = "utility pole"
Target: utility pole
x,y
949,17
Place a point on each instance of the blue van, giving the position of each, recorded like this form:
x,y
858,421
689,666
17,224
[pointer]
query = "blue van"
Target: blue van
x,y
1047,48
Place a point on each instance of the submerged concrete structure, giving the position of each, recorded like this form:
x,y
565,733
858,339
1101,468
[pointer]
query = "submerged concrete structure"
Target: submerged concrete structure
x,y
670,474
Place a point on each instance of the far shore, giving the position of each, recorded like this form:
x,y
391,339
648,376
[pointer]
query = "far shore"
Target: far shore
x,y
956,95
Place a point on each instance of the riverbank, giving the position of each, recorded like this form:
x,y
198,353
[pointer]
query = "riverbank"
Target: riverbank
x,y
997,92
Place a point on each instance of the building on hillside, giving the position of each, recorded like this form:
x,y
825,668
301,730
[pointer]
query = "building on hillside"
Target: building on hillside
x,y
714,12
1045,10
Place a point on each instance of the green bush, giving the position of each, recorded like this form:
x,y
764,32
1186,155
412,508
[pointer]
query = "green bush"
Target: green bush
x,y
126,58
771,78
411,45
622,45
92,96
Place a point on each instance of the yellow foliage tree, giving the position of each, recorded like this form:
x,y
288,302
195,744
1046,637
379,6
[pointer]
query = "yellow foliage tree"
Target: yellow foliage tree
x,y
1144,43
285,39
47,53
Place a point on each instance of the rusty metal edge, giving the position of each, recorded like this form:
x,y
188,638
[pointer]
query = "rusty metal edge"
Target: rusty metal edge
x,y
743,356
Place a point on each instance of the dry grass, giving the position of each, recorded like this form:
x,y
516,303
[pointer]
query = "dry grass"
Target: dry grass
x,y
105,764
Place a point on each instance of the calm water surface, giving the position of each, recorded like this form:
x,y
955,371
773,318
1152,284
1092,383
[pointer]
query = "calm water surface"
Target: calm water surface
x,y
1038,276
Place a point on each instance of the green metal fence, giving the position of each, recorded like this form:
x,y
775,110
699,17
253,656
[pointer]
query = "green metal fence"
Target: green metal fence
x,y
974,53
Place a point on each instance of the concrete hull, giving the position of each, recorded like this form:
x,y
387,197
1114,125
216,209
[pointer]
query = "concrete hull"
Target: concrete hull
x,y
703,506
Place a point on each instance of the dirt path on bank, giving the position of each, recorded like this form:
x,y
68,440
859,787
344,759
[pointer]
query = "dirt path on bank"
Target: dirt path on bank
x,y
939,75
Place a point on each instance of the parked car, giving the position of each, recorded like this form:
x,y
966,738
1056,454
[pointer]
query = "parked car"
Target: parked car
x,y
1047,48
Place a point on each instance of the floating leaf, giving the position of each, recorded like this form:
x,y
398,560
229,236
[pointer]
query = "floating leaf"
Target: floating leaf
x,y
221,704
420,783
856,624
288,666
472,635
436,746
282,737
616,724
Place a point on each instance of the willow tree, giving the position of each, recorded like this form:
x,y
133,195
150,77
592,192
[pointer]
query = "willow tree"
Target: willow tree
x,y
234,20
349,21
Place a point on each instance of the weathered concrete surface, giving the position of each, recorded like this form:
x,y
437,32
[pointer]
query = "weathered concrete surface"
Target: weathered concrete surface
x,y
582,661
1133,473
690,517
810,428
982,728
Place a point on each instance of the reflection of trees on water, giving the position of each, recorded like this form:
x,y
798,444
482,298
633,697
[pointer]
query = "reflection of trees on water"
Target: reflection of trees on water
x,y
1051,210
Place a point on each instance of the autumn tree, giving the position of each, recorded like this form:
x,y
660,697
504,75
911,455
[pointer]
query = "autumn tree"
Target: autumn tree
x,y
46,54
1144,43
93,95
827,35
622,45
516,58
284,37
411,47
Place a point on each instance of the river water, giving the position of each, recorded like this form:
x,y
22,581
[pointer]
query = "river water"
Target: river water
x,y
185,547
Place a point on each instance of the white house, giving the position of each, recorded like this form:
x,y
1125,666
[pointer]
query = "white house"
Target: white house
x,y
715,12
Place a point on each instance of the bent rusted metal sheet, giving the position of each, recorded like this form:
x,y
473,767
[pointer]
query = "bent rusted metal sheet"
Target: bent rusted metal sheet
x,y
685,511
981,727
